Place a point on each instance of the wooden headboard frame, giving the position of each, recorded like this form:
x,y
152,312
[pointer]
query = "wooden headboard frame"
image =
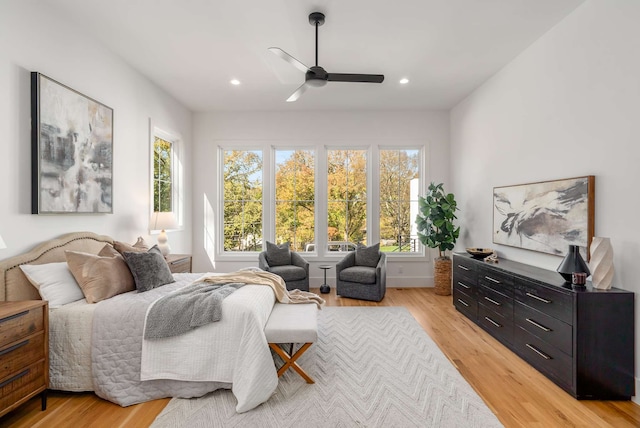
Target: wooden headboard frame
x,y
14,285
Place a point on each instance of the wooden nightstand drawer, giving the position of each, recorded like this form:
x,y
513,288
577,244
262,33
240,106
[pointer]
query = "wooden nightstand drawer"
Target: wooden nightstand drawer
x,y
179,263
26,383
21,354
20,324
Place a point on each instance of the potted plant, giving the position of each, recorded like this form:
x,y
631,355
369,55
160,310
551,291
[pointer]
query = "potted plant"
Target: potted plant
x,y
436,212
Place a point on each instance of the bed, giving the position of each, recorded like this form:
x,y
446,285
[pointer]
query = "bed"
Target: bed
x,y
99,347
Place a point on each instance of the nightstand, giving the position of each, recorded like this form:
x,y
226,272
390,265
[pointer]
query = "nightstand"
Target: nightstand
x,y
179,263
24,353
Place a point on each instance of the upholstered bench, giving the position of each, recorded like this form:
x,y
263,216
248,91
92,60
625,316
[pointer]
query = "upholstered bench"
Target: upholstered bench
x,y
290,324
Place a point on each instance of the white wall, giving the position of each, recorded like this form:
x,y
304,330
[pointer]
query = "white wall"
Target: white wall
x,y
286,128
567,106
34,37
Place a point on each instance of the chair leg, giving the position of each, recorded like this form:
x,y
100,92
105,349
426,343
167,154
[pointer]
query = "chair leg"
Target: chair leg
x,y
290,360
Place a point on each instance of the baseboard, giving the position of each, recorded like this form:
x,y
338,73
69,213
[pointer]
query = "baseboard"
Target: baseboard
x,y
636,398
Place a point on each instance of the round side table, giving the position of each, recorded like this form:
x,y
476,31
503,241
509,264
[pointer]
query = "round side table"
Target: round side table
x,y
325,288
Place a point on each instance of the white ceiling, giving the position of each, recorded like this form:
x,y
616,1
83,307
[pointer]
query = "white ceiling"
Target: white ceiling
x,y
193,48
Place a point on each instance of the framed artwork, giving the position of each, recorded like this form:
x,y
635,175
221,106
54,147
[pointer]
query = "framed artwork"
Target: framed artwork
x,y
547,216
71,150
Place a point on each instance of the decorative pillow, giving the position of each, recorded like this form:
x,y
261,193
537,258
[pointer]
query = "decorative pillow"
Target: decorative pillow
x,y
149,269
139,247
100,277
54,282
278,255
368,256
109,251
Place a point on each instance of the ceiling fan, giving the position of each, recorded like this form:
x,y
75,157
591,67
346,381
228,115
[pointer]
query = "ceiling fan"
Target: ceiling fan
x,y
317,76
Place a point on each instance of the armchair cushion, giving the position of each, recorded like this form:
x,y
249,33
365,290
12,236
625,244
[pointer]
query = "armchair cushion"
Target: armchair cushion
x,y
289,272
368,256
359,274
278,255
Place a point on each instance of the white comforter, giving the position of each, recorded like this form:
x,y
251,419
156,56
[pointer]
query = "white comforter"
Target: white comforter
x,y
232,353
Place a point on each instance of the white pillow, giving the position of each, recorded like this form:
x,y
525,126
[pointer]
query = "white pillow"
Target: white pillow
x,y
54,282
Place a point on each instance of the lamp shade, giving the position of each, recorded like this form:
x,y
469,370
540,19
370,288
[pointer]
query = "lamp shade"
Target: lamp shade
x,y
163,221
2,244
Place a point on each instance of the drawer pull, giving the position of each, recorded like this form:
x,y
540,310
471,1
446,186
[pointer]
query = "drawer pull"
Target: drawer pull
x,y
14,378
463,267
493,322
533,296
495,281
463,302
493,301
14,347
540,326
463,285
14,316
537,351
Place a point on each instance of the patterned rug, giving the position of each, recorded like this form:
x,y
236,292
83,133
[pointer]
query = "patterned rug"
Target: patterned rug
x,y
373,367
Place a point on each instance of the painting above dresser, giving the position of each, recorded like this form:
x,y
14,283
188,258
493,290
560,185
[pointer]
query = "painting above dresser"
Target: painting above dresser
x,y
583,340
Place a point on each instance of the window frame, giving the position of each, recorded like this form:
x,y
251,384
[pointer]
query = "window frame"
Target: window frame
x,y
177,179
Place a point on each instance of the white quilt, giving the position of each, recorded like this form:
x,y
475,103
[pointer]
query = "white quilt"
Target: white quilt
x,y
232,350
232,353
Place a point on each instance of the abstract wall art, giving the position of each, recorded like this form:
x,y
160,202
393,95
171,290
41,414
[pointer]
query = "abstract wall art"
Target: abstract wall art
x,y
72,150
546,216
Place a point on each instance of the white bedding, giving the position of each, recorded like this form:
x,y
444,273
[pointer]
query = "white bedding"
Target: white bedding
x,y
233,350
70,347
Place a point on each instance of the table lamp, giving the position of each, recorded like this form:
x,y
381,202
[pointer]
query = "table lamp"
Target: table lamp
x,y
163,221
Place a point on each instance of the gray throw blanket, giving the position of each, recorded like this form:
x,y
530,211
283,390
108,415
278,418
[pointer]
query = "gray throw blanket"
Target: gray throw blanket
x,y
193,306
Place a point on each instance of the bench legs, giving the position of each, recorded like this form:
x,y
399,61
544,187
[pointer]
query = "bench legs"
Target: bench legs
x,y
290,360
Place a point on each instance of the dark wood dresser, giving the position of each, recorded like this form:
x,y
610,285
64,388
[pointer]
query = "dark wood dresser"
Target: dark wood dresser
x,y
583,340
24,353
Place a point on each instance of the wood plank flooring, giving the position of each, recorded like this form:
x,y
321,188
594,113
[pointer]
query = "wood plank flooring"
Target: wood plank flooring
x,y
517,393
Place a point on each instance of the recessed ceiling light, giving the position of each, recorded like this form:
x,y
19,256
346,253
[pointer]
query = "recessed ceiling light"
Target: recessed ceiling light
x,y
404,81
235,82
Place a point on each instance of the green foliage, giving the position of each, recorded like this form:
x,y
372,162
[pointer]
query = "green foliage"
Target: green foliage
x,y
435,219
162,178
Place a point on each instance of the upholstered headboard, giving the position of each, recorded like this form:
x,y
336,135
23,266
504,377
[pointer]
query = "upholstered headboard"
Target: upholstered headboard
x,y
14,285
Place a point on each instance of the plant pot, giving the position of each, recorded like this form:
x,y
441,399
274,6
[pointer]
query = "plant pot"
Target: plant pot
x,y
442,275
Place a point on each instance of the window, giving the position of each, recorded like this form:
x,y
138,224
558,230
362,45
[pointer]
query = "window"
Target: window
x,y
347,196
242,200
399,179
295,198
162,175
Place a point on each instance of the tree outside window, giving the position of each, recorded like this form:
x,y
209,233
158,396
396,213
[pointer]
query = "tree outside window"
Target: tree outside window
x,y
347,197
242,203
162,175
295,198
398,170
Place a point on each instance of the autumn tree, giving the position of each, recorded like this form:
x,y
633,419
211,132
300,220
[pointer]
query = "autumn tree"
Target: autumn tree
x,y
242,200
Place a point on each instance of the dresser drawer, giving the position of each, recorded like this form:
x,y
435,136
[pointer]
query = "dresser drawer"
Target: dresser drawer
x,y
496,324
25,383
553,331
496,302
21,354
464,285
465,303
179,263
19,325
544,357
497,280
547,300
465,268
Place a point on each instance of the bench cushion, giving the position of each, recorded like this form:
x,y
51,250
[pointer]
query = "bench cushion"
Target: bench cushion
x,y
292,323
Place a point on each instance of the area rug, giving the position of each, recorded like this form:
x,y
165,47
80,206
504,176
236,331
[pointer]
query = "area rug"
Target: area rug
x,y
373,367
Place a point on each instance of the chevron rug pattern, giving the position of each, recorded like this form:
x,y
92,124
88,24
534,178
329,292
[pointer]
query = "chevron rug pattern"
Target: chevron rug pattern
x,y
373,367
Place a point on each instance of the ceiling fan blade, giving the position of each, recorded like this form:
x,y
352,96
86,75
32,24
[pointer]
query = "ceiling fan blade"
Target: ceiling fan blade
x,y
346,77
297,93
291,60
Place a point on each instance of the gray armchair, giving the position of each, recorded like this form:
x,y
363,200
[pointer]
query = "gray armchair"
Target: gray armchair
x,y
292,267
360,281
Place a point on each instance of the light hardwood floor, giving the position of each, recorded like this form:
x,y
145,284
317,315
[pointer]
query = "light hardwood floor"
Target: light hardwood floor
x,y
517,393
